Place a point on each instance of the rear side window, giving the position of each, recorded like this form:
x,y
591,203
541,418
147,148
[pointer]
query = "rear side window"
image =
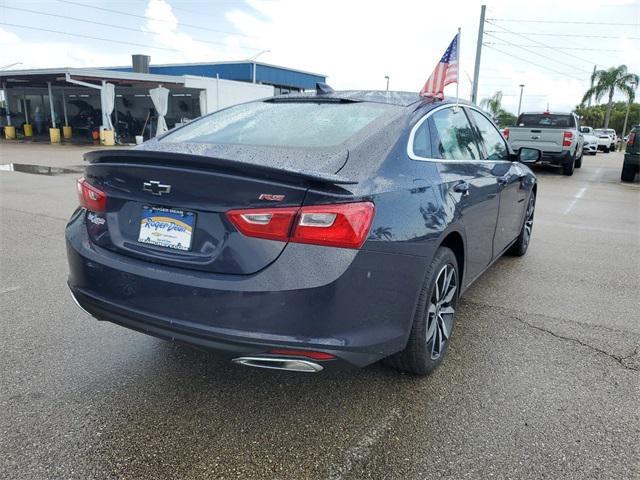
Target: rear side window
x,y
493,140
284,124
545,120
421,141
452,136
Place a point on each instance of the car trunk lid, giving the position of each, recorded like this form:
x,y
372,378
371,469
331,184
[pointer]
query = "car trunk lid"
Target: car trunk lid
x,y
148,190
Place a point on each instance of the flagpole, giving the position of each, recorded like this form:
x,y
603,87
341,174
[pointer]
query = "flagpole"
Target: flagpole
x,y
458,71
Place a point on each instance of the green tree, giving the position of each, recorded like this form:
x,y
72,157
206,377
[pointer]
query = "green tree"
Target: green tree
x,y
593,116
505,119
608,82
493,104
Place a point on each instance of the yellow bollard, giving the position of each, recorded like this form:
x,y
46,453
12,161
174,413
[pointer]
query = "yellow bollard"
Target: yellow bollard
x,y
66,132
28,130
10,132
108,138
54,134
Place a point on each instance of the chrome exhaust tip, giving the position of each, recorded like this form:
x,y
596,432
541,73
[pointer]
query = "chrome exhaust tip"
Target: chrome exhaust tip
x,y
75,300
276,363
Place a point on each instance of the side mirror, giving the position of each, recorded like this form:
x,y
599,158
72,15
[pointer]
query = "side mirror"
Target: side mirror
x,y
529,155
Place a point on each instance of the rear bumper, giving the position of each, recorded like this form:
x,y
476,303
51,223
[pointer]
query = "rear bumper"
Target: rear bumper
x,y
556,158
356,305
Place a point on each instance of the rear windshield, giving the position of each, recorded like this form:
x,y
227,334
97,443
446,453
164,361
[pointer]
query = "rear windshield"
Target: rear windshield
x,y
545,120
283,124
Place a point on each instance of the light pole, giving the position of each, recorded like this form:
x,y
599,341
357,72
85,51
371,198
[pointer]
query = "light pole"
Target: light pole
x,y
476,69
387,77
634,85
520,102
253,59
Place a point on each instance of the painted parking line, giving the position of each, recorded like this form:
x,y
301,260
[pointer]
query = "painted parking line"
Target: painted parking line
x,y
360,452
591,228
9,290
594,177
573,202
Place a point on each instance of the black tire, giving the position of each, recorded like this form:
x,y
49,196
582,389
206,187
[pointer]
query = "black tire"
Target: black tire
x,y
628,173
430,322
606,150
520,247
568,168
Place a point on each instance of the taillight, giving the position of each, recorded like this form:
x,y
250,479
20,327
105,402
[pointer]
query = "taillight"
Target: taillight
x,y
90,197
269,223
505,133
566,139
344,225
631,140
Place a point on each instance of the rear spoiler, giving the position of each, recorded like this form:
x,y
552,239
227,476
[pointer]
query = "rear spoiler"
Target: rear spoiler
x,y
172,159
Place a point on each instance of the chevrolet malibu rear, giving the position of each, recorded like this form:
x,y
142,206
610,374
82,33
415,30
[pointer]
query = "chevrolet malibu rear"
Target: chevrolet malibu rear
x,y
303,232
246,232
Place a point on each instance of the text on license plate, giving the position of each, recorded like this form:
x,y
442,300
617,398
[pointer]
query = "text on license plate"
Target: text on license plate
x,y
167,227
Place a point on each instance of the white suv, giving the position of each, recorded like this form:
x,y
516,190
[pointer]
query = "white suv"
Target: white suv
x,y
607,139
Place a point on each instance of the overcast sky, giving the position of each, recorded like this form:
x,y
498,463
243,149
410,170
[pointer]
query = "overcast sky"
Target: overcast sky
x,y
354,43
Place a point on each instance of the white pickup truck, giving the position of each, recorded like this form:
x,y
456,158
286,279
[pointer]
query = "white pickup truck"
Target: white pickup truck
x,y
556,134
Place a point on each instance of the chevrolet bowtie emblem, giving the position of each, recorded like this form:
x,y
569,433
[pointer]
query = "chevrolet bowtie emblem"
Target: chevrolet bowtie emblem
x,y
155,187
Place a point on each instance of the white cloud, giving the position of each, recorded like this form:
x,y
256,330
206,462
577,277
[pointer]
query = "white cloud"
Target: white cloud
x,y
163,27
32,54
356,43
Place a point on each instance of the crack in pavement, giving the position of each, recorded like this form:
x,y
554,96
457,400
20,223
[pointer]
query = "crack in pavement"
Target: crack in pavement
x,y
621,360
565,320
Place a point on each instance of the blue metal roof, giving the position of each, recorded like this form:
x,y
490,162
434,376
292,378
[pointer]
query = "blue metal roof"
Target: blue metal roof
x,y
241,71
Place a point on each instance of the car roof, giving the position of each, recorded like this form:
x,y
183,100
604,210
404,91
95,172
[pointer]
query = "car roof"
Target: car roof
x,y
404,99
546,113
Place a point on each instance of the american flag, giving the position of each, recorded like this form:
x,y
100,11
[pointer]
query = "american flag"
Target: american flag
x,y
446,72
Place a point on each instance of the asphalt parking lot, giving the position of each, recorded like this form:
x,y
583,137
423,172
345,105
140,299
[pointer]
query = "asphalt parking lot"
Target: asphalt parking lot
x,y
542,379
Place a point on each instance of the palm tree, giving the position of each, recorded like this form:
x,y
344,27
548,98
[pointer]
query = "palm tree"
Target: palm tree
x,y
615,79
493,104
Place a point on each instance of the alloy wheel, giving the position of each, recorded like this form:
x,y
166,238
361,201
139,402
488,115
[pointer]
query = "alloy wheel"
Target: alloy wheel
x,y
528,223
441,310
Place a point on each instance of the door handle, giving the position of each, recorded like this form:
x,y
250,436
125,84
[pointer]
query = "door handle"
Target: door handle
x,y
462,187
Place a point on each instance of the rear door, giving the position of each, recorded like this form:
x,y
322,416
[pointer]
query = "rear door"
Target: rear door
x,y
469,180
509,175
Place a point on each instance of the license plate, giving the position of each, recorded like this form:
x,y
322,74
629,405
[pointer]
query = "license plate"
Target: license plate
x,y
167,227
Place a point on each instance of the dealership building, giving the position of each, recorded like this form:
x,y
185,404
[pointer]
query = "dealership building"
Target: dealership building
x,y
136,99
